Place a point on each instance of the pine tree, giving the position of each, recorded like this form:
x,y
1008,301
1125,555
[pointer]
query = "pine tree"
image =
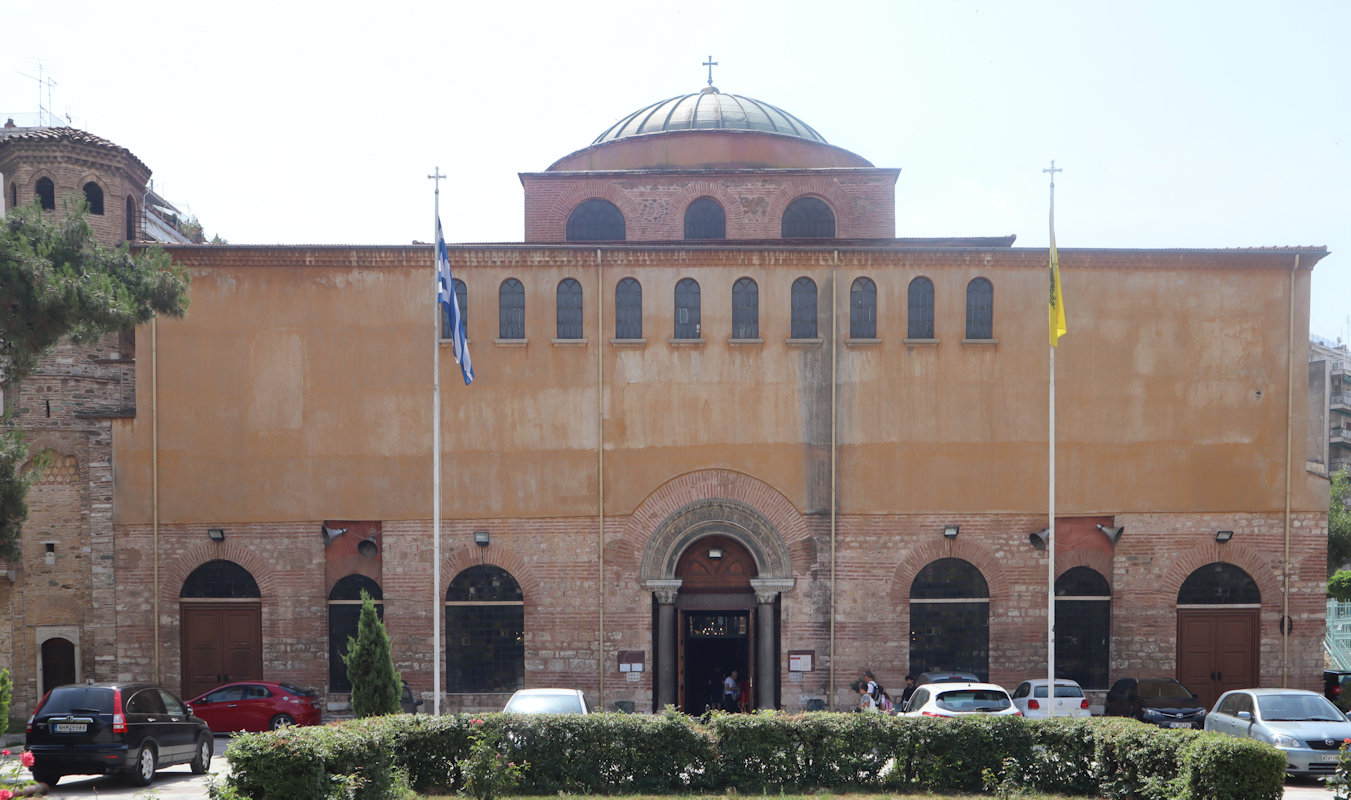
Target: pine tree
x,y
375,684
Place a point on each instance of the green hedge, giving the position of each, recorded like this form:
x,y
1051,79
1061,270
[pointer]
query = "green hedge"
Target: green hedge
x,y
382,757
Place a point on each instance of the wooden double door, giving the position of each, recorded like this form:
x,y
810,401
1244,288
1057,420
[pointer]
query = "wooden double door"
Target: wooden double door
x,y
222,643
1217,650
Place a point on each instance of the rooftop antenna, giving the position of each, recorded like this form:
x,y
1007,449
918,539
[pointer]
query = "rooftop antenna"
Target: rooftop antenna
x,y
44,111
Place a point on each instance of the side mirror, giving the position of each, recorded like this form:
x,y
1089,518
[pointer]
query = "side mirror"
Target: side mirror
x,y
1246,716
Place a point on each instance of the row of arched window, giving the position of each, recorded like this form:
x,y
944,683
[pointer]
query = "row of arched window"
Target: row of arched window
x,y
598,220
628,316
45,191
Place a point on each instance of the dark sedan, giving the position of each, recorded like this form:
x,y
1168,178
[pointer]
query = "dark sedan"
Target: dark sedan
x,y
105,728
256,706
1159,701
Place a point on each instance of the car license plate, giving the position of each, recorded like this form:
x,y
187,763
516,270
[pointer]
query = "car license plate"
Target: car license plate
x,y
1179,724
1328,757
71,727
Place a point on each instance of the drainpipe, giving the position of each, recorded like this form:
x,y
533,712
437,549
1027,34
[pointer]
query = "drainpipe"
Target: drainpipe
x,y
834,498
154,487
600,476
1289,444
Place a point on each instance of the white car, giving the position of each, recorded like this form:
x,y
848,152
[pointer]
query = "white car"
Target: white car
x,y
547,701
1030,698
959,700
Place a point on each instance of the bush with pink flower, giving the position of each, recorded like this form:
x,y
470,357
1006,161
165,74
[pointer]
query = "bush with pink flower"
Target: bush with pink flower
x,y
12,773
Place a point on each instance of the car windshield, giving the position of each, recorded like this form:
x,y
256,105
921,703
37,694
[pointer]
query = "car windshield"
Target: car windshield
x,y
972,700
544,704
83,699
1061,691
1164,689
1297,707
296,690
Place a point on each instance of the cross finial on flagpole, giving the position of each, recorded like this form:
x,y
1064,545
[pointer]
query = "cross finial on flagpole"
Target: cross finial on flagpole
x,y
1053,171
438,177
710,63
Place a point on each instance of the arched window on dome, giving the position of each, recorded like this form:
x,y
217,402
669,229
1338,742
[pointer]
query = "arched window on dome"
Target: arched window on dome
x,y
569,309
511,310
93,195
980,309
13,194
808,218
46,192
687,307
705,219
804,309
920,305
131,219
745,309
863,309
629,309
596,220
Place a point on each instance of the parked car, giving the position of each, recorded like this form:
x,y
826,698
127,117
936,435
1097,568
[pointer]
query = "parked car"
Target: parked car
x,y
1306,726
1335,683
1159,701
257,706
1069,700
946,676
106,728
959,700
547,701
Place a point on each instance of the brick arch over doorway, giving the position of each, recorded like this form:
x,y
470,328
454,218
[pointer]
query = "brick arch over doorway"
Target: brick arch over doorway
x,y
922,556
1191,560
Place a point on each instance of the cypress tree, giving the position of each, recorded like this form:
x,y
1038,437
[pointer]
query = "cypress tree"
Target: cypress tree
x,y
370,668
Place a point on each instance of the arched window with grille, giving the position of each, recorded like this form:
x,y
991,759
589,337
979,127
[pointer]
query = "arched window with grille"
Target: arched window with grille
x,y
920,309
979,309
46,191
569,309
511,310
1083,623
804,309
485,631
596,220
687,309
131,219
93,195
344,612
863,309
705,219
13,194
950,619
745,309
461,300
629,309
808,218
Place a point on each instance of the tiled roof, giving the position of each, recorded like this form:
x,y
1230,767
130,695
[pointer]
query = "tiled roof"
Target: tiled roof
x,y
59,135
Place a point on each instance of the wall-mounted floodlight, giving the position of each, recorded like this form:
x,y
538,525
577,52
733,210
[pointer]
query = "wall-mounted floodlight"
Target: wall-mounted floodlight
x,y
215,534
481,538
1223,536
715,552
1111,533
951,531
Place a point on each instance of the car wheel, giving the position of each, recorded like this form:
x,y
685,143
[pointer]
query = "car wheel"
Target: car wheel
x,y
144,771
46,776
281,721
202,761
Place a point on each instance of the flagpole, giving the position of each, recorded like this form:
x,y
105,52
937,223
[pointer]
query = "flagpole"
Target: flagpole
x,y
1056,302
436,456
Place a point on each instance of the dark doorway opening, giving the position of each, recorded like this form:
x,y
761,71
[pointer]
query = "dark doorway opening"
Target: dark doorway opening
x,y
716,642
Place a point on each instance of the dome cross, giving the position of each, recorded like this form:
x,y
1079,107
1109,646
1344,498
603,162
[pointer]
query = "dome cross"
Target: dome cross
x,y
710,63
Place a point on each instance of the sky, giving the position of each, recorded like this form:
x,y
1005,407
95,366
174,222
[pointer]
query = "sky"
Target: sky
x,y
1178,124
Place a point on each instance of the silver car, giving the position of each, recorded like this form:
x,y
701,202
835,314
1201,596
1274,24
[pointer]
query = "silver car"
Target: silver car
x,y
1304,725
547,701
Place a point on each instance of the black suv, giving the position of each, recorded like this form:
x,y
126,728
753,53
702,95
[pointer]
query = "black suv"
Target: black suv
x,y
1158,701
107,728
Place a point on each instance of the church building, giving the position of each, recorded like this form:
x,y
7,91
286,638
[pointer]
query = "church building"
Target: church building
x,y
723,418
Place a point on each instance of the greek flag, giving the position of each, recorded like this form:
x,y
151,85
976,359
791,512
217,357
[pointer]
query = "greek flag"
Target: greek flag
x,y
450,306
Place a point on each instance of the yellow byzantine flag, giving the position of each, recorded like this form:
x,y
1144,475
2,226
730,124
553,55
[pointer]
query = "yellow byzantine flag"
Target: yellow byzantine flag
x,y
1058,327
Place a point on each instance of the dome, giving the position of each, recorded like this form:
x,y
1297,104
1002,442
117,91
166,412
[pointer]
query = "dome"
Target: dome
x,y
709,110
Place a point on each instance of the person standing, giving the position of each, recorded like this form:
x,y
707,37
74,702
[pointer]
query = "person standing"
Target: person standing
x,y
908,690
865,698
731,692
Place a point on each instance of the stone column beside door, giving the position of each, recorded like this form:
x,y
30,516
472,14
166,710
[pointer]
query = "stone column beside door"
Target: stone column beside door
x,y
664,682
766,659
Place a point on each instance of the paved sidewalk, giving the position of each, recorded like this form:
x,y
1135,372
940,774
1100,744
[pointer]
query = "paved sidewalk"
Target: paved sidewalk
x,y
171,783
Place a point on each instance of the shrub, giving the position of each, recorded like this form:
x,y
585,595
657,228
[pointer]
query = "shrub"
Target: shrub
x,y
375,685
6,694
1228,768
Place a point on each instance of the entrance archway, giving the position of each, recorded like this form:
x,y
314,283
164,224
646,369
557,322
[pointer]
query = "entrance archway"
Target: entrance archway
x,y
221,611
716,569
1218,611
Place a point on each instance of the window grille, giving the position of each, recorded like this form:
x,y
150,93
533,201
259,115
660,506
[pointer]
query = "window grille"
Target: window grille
x,y
569,309
46,191
595,220
950,619
704,219
1218,583
93,195
863,309
804,309
979,309
511,310
808,218
920,307
687,309
1083,615
220,578
629,309
485,632
344,616
745,309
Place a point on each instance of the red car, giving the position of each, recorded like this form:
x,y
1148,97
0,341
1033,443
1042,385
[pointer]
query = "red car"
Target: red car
x,y
256,706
